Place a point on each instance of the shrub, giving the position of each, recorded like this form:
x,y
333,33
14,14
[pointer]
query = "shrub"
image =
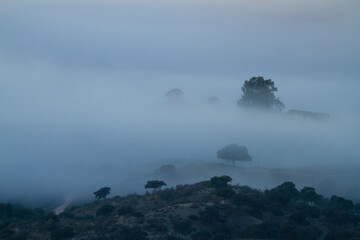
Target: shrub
x,y
62,233
131,233
341,203
255,232
225,192
270,228
6,210
126,210
220,182
308,233
287,232
203,235
299,218
105,210
284,193
183,227
209,215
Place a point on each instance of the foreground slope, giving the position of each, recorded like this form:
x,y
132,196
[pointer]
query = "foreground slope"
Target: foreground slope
x,y
206,210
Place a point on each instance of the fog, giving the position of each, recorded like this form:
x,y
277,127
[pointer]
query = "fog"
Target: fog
x,y
82,89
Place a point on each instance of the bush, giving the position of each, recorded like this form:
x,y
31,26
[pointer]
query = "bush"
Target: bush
x,y
105,210
270,228
253,232
299,218
288,232
340,234
309,211
203,235
6,210
338,217
62,233
6,233
126,210
167,195
183,227
23,213
209,215
284,193
132,233
225,192
220,182
341,203
308,233
309,194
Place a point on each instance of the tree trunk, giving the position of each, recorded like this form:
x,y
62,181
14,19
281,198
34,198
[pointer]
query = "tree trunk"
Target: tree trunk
x,y
233,163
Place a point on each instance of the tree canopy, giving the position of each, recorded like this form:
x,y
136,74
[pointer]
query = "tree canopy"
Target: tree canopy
x,y
155,184
234,153
102,192
259,93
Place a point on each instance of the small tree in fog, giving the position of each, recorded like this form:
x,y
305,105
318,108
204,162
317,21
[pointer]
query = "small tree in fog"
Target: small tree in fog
x,y
259,93
155,184
174,95
234,152
102,192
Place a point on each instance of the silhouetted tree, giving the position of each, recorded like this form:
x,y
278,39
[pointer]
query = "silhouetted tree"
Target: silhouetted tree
x,y
102,192
259,93
174,94
234,153
155,184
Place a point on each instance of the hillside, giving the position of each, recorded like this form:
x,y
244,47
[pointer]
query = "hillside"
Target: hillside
x,y
205,210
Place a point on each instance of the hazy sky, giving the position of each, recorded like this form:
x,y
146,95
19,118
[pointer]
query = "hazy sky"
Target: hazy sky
x,y
82,84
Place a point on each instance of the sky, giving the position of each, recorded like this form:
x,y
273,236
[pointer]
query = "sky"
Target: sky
x,y
82,86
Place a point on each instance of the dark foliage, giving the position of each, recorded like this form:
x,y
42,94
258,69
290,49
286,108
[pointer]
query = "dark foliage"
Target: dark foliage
x,y
62,233
131,233
255,232
309,194
105,210
341,203
226,192
203,235
342,234
102,193
288,232
220,182
284,193
308,233
210,215
299,218
183,227
6,210
259,93
155,184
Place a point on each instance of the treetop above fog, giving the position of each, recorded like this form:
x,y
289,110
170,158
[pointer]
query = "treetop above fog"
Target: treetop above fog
x,y
259,93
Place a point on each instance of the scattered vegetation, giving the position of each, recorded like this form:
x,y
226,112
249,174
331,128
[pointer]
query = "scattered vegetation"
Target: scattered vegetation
x,y
211,210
